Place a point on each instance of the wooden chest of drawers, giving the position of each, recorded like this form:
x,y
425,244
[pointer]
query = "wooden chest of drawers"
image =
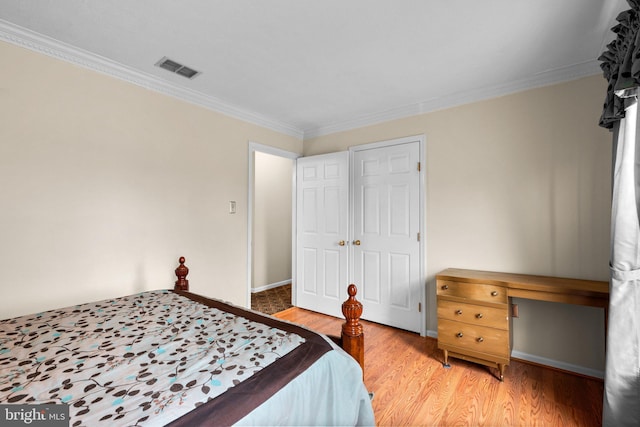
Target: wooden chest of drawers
x,y
473,322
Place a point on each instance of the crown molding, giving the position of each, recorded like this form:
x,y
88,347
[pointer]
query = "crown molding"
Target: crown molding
x,y
545,78
23,37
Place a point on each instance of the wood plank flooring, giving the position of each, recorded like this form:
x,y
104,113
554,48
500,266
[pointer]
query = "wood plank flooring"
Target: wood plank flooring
x,y
412,388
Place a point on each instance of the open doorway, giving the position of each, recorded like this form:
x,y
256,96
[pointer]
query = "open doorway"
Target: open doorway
x,y
270,228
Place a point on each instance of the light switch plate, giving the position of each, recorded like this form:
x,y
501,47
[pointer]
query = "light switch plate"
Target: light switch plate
x,y
232,207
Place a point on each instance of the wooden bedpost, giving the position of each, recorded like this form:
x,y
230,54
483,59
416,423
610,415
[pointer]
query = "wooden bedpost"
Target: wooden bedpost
x,y
352,332
182,284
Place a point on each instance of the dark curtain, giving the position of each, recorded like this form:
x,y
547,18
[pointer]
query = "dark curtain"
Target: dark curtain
x,y
621,67
621,64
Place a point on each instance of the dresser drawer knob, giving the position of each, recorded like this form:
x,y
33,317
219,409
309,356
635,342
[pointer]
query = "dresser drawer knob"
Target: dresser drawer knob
x,y
445,287
458,312
480,339
494,293
459,334
479,316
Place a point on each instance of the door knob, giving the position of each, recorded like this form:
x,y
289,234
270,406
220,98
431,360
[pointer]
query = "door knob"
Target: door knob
x,y
341,242
356,242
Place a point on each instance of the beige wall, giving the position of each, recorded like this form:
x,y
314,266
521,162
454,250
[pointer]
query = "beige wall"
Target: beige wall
x,y
105,184
519,183
272,220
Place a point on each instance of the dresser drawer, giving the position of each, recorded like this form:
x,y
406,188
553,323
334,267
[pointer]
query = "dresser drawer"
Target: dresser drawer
x,y
479,339
473,291
474,314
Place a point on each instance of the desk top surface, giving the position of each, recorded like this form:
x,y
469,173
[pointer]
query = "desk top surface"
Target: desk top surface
x,y
526,282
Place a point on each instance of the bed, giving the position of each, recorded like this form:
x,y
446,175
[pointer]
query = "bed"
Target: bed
x,y
172,357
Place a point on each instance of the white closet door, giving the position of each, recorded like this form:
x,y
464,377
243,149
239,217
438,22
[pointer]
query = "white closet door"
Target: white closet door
x,y
322,232
386,225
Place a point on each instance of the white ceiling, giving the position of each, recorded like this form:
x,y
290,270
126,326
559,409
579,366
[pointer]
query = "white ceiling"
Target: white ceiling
x,y
309,68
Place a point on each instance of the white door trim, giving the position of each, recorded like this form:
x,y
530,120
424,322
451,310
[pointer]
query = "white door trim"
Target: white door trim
x,y
253,147
421,139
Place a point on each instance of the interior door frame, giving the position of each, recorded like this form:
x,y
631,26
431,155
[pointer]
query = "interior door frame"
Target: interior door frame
x,y
253,148
421,139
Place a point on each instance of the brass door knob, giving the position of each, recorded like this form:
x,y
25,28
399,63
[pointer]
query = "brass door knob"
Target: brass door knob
x,y
480,339
341,242
458,312
459,334
356,242
494,293
479,316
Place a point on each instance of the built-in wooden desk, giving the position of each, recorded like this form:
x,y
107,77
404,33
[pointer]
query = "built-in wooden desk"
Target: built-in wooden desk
x,y
460,291
555,289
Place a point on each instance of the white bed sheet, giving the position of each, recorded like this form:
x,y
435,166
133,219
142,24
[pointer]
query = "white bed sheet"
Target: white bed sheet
x,y
330,393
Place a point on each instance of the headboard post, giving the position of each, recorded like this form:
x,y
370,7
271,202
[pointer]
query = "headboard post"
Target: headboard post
x,y
352,331
182,284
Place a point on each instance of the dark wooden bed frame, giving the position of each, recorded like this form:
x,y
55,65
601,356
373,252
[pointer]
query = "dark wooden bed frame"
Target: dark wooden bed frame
x,y
352,337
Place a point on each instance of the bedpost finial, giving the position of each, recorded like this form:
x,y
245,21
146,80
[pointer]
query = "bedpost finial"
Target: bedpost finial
x,y
352,290
352,331
182,284
352,310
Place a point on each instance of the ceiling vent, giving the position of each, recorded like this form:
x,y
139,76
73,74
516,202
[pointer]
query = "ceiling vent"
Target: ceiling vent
x,y
177,68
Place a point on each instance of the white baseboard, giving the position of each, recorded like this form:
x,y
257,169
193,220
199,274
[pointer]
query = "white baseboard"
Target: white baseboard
x,y
558,364
432,334
270,286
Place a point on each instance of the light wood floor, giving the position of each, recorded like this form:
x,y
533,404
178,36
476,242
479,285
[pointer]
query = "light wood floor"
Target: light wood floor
x,y
412,388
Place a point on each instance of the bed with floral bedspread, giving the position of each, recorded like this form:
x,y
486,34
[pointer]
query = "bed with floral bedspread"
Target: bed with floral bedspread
x,y
173,357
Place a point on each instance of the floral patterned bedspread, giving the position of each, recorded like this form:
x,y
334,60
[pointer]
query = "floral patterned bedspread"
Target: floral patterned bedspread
x,y
146,358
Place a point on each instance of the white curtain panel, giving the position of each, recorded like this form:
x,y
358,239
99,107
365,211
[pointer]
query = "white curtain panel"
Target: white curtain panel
x,y
622,376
